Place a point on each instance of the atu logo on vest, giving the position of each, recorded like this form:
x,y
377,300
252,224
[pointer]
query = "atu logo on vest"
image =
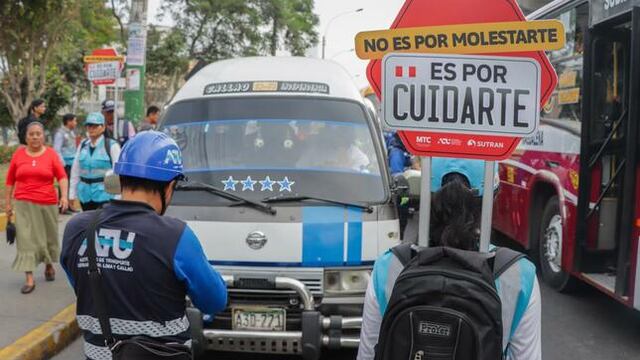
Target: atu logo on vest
x,y
111,239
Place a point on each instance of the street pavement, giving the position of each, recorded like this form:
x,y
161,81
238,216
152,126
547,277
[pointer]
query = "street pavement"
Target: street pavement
x,y
586,325
21,313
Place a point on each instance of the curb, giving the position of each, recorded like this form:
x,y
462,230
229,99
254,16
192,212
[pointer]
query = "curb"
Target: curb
x,y
46,340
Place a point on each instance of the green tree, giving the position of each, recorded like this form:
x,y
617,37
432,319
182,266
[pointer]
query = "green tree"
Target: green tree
x,y
291,25
167,62
221,29
39,34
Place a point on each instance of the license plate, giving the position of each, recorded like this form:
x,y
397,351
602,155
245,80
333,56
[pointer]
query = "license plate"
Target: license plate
x,y
258,319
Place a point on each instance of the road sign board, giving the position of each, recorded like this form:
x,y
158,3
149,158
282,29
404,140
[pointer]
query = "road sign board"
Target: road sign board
x,y
481,95
104,73
484,38
419,13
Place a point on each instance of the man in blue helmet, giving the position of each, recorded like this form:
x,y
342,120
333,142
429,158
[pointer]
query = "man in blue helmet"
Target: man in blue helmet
x,y
455,222
149,263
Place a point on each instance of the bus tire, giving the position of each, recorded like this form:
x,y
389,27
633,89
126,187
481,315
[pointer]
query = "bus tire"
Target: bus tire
x,y
548,249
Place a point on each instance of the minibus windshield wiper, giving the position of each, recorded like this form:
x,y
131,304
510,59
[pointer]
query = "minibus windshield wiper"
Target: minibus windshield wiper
x,y
296,197
237,199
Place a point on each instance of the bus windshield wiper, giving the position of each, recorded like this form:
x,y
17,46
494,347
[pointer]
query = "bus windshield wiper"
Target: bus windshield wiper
x,y
297,197
237,199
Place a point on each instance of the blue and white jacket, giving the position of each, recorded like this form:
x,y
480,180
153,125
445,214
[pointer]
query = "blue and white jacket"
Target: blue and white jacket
x,y
149,263
518,290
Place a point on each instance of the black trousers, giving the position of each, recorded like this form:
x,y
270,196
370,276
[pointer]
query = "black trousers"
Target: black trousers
x,y
92,205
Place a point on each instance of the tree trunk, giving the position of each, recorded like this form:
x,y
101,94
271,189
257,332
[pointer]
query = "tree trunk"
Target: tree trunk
x,y
274,37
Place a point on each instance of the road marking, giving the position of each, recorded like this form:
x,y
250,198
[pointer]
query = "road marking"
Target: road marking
x,y
45,340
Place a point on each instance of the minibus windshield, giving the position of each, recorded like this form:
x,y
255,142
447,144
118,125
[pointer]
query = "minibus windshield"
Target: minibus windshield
x,y
264,146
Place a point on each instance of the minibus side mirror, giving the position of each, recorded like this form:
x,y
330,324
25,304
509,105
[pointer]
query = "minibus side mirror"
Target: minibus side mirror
x,y
112,183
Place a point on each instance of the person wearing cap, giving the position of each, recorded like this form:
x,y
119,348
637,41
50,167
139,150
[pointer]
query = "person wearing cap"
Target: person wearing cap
x,y
64,142
455,222
93,159
126,129
36,110
31,196
159,259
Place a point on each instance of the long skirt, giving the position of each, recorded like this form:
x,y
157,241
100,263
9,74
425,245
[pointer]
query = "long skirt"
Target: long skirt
x,y
36,235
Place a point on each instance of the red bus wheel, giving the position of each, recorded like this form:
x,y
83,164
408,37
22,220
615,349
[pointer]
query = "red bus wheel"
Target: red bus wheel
x,y
549,247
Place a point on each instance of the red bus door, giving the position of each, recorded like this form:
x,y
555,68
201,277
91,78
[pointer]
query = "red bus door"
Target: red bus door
x,y
609,154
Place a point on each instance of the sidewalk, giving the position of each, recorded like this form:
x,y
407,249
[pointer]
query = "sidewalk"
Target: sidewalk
x,y
34,326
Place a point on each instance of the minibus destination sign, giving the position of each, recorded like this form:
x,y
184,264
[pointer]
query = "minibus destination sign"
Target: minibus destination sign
x,y
237,87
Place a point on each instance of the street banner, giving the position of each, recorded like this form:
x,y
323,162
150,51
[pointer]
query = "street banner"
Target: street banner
x,y
461,106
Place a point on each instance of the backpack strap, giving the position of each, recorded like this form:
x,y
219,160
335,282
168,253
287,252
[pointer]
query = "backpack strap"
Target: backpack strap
x,y
107,148
404,252
504,258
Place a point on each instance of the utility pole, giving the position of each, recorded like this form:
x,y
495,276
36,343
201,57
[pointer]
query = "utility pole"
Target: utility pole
x,y
135,69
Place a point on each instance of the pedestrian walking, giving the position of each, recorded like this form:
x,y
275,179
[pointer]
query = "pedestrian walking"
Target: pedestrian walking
x,y
93,159
125,128
36,110
151,120
449,301
148,263
64,142
35,204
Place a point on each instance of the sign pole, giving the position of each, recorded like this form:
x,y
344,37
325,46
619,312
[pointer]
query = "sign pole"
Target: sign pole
x,y
425,201
487,206
115,110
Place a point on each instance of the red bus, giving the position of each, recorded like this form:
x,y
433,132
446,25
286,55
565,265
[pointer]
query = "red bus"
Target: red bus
x,y
570,192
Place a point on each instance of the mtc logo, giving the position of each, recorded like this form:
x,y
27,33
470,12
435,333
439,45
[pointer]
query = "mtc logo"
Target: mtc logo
x,y
108,239
173,156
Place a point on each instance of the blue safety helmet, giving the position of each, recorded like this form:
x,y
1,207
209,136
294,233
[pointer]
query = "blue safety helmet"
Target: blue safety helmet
x,y
150,155
94,118
472,170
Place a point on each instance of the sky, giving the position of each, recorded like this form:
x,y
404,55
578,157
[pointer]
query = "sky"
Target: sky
x,y
340,35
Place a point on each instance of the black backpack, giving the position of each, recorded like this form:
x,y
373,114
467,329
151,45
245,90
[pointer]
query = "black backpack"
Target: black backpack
x,y
445,306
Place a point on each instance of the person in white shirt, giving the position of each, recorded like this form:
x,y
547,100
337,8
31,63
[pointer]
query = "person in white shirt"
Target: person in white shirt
x,y
94,157
459,187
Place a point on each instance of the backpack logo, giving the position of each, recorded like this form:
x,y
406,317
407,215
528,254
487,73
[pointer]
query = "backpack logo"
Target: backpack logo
x,y
173,156
429,328
419,355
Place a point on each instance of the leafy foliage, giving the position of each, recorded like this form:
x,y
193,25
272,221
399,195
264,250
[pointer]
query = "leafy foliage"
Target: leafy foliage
x,y
38,34
221,29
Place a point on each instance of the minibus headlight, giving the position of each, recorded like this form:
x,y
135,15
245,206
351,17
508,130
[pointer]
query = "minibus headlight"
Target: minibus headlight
x,y
346,281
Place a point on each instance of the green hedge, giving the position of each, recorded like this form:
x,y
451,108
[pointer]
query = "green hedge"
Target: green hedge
x,y
6,152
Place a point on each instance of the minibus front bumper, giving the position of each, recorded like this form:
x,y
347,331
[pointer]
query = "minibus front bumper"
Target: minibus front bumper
x,y
317,331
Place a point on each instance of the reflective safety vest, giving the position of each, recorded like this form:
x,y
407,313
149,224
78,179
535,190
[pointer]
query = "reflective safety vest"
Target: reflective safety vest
x,y
93,167
514,288
68,150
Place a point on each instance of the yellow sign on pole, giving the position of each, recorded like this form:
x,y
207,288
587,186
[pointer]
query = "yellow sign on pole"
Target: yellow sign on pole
x,y
92,59
484,38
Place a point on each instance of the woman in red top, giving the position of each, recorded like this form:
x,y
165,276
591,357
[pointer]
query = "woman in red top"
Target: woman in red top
x,y
30,183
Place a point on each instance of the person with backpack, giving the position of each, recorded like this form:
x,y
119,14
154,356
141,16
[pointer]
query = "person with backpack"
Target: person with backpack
x,y
126,130
449,301
132,303
93,159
